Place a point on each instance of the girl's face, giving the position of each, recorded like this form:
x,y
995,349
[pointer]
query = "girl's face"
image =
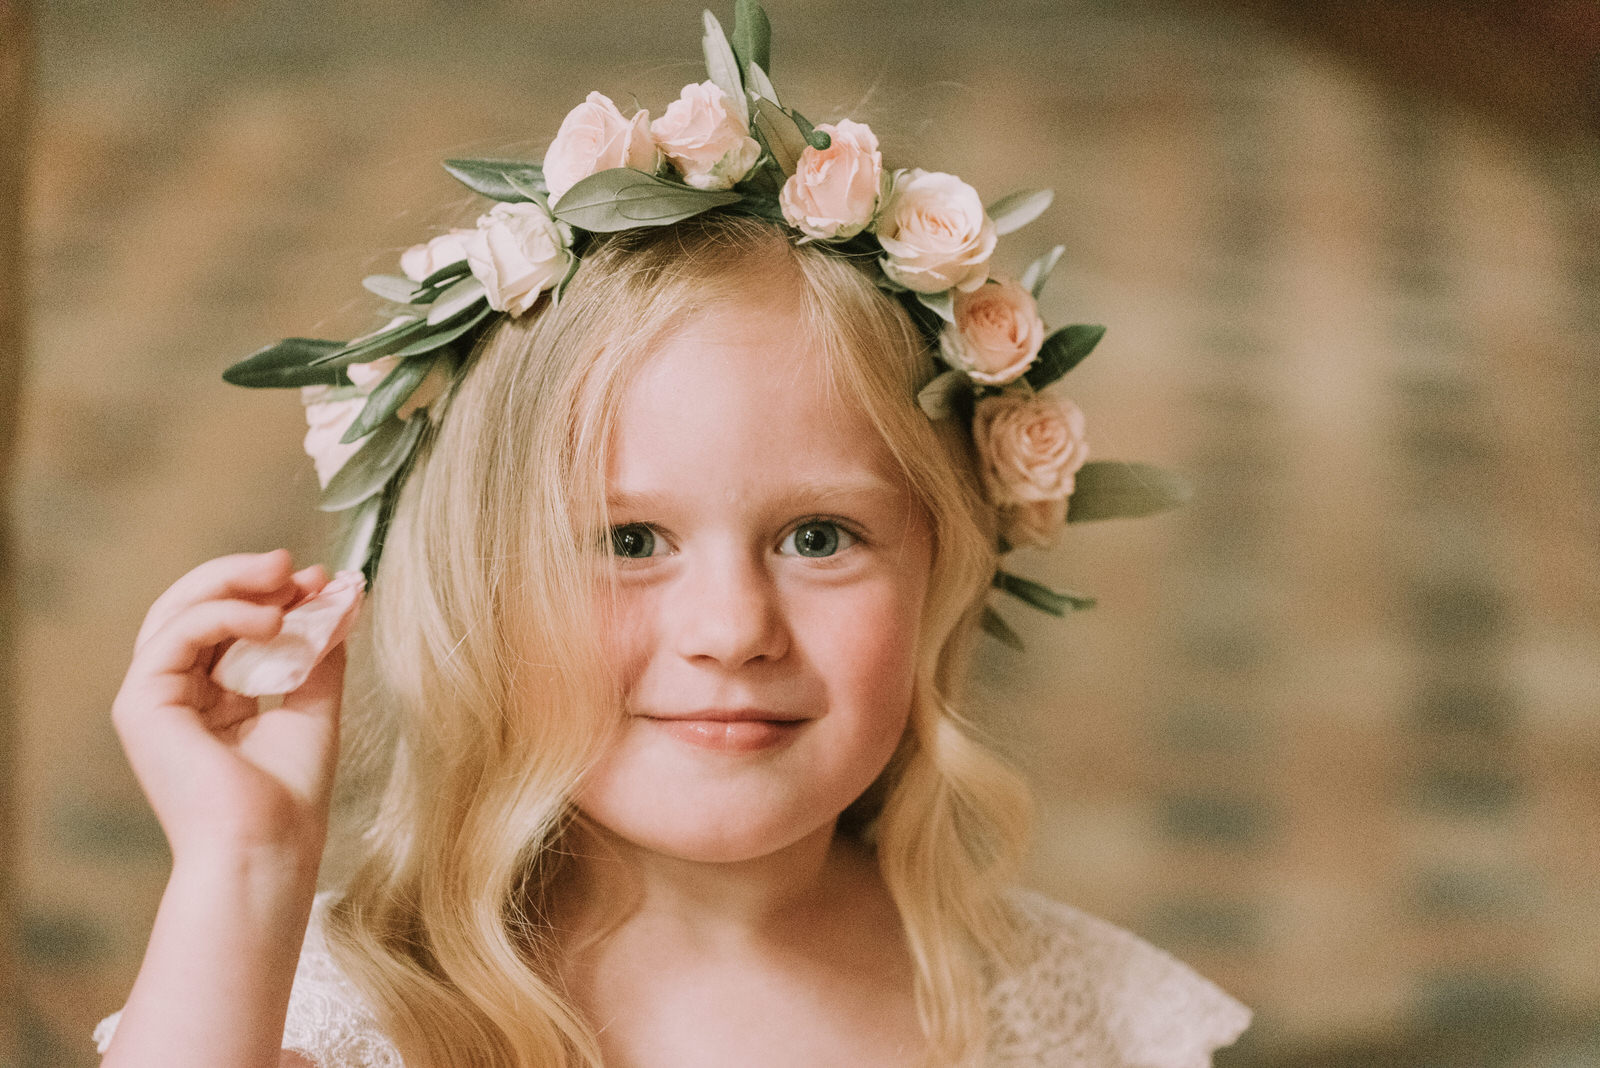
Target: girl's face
x,y
771,570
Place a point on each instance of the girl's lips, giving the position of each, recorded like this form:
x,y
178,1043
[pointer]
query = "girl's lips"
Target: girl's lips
x,y
732,735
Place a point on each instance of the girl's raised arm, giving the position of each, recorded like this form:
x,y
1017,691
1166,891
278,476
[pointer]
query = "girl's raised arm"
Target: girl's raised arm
x,y
242,795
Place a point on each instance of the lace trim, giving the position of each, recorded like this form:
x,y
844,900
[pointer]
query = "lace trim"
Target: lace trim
x,y
1089,995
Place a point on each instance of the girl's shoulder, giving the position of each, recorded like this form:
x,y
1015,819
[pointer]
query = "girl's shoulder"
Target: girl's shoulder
x,y
329,1022
1087,992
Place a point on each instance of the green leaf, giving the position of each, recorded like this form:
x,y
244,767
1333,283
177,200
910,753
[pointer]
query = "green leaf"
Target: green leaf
x,y
561,287
1038,272
937,397
723,67
387,397
755,76
439,340
1061,352
457,299
623,198
1055,602
752,37
390,287
996,627
941,304
782,136
367,349
1019,209
361,530
287,363
369,470
448,273
498,179
817,139
1111,489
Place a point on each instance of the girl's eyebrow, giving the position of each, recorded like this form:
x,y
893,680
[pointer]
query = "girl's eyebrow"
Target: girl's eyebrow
x,y
803,492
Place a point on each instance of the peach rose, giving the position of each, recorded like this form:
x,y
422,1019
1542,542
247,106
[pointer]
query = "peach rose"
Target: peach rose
x,y
1029,447
833,192
708,144
595,137
517,252
936,233
996,335
420,261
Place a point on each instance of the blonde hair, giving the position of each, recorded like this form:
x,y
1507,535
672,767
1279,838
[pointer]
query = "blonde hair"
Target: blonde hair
x,y
495,700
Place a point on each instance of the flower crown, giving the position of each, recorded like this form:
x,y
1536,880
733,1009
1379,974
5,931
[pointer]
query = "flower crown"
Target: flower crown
x,y
728,144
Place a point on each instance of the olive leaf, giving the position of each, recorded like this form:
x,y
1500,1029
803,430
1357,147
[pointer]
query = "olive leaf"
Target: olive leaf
x,y
444,337
457,299
1061,352
1038,272
287,363
722,67
779,133
622,198
1055,602
448,273
390,287
374,346
936,399
752,38
1112,489
354,550
370,469
941,304
498,179
1017,210
387,397
996,627
755,78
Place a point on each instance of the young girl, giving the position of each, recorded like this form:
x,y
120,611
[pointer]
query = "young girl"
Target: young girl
x,y
679,573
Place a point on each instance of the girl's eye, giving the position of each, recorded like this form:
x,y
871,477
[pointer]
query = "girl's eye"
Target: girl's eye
x,y
818,537
634,541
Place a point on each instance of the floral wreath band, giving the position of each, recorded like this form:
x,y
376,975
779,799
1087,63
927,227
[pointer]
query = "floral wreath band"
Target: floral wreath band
x,y
727,144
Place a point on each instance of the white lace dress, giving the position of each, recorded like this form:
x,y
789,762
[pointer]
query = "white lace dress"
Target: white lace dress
x,y
1089,995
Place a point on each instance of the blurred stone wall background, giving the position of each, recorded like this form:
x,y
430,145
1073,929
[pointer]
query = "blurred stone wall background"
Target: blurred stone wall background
x,y
1331,735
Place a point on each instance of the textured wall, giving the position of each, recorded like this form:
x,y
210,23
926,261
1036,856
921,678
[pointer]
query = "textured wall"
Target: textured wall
x,y
1331,734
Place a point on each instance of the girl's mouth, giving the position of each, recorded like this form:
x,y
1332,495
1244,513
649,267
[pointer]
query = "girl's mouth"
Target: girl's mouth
x,y
731,735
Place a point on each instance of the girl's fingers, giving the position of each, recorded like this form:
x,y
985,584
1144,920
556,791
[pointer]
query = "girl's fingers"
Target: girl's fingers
x,y
193,633
262,577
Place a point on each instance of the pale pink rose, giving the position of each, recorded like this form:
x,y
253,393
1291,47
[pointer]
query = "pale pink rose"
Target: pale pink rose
x,y
311,629
420,261
1036,523
833,192
1030,447
326,422
996,335
595,137
936,233
517,252
705,140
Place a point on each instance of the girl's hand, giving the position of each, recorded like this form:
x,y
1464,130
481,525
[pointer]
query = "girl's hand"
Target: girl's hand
x,y
224,776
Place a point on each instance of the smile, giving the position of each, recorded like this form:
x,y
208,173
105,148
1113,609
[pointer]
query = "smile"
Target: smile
x,y
731,735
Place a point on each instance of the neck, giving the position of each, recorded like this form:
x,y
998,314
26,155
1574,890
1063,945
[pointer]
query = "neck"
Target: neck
x,y
736,901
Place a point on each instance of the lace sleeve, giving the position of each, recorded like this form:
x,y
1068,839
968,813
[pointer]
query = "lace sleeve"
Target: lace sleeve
x,y
1092,995
328,1021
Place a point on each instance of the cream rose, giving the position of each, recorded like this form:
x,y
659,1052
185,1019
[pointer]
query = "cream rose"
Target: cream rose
x,y
326,422
420,261
1029,447
936,233
996,335
517,252
833,192
595,137
708,144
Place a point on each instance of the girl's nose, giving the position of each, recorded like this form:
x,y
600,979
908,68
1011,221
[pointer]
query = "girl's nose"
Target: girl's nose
x,y
729,611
